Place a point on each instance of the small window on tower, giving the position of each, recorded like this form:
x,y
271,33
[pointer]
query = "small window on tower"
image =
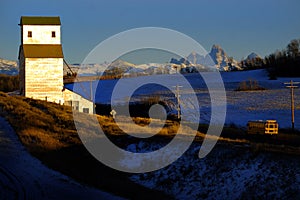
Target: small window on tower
x,y
53,34
29,34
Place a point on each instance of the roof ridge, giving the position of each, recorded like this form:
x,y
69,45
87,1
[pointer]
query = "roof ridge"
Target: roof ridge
x,y
42,51
40,20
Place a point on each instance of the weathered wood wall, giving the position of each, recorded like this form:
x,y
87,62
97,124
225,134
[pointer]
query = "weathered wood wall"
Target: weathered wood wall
x,y
44,79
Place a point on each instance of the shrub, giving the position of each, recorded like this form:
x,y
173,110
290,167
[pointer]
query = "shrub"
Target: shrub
x,y
9,83
250,85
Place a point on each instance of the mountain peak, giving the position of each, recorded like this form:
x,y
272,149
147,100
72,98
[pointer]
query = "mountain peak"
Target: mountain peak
x,y
8,67
222,61
216,46
215,58
252,56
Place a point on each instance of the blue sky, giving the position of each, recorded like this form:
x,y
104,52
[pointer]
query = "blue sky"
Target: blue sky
x,y
240,27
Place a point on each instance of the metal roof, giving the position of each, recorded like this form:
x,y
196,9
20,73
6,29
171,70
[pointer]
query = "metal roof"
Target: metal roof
x,y
42,50
39,20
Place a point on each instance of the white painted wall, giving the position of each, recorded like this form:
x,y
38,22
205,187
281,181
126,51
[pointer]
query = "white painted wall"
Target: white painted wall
x,y
41,34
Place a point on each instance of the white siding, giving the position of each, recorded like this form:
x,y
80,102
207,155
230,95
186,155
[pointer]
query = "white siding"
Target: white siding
x,y
44,79
41,34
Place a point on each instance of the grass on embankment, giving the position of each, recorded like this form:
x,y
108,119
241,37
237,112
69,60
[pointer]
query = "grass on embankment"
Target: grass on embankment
x,y
40,125
48,132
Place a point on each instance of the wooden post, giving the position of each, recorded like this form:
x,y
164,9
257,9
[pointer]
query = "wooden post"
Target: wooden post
x,y
178,100
91,91
292,108
291,85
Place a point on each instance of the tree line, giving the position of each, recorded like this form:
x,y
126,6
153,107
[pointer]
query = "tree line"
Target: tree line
x,y
285,62
9,83
282,63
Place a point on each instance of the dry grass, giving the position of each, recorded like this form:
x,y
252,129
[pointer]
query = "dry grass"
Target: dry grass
x,y
109,126
41,125
44,126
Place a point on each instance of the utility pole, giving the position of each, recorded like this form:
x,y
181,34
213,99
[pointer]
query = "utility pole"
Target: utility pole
x,y
292,85
91,90
178,100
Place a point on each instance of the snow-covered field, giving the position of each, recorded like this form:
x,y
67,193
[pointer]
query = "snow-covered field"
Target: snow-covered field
x,y
273,103
232,171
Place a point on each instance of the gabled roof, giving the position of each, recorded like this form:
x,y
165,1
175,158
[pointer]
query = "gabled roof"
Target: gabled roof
x,y
30,20
42,50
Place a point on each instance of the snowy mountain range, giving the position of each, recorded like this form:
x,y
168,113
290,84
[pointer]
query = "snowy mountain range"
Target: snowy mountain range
x,y
216,59
123,68
8,67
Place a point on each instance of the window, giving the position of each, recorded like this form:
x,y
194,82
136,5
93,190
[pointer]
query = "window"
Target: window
x,y
85,110
53,34
68,103
29,34
75,105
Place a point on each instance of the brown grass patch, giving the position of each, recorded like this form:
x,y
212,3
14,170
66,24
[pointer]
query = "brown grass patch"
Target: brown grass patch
x,y
41,125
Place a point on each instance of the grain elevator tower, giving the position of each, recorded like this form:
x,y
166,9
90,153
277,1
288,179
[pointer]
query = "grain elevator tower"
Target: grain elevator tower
x,y
41,59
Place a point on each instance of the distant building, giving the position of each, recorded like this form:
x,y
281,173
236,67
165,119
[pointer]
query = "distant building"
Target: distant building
x,y
77,102
262,127
41,62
